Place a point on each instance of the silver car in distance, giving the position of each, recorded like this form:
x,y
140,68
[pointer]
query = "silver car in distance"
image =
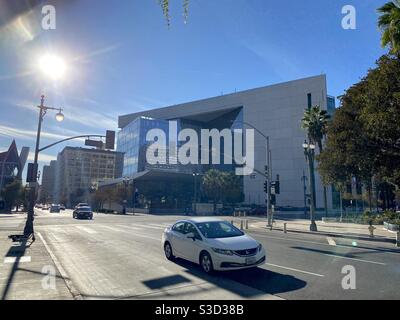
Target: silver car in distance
x,y
212,243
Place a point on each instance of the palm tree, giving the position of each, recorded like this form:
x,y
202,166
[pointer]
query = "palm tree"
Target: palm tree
x,y
315,121
389,23
165,7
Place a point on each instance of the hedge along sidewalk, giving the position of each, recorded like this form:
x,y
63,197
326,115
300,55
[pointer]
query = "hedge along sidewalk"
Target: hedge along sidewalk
x,y
25,270
351,230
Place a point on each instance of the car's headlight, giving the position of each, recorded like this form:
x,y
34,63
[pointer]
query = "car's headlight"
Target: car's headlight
x,y
224,252
260,247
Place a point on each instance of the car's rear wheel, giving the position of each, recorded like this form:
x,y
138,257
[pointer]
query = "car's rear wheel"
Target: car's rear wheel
x,y
168,251
206,263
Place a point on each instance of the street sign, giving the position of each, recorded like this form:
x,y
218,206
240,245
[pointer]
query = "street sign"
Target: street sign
x,y
275,187
93,143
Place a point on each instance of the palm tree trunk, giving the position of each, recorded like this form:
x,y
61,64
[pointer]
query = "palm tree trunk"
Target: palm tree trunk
x,y
325,202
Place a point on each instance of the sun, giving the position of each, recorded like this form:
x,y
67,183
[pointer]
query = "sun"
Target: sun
x,y
52,66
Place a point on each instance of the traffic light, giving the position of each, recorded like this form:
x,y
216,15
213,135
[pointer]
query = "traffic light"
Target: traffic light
x,y
266,187
266,170
32,173
110,140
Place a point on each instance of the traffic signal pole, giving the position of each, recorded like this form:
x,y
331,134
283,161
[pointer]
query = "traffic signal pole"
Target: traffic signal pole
x,y
268,173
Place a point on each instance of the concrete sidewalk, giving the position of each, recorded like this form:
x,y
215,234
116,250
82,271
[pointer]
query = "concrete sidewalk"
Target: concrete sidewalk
x,y
350,230
26,272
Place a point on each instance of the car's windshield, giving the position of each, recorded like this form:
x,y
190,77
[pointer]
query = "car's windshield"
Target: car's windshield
x,y
85,209
219,229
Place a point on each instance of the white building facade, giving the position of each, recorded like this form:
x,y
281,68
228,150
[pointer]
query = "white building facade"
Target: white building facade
x,y
276,111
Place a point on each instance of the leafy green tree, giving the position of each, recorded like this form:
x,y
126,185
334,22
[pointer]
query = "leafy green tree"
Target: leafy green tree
x,y
165,5
220,186
12,193
233,188
389,23
315,121
363,139
213,186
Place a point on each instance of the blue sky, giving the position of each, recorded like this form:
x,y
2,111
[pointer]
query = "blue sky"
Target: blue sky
x,y
122,58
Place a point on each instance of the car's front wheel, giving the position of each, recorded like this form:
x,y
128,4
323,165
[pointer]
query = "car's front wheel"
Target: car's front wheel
x,y
206,263
168,251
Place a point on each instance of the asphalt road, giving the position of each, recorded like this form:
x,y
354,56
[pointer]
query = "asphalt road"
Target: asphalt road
x,y
120,257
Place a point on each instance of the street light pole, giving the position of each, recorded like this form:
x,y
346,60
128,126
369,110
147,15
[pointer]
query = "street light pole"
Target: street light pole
x,y
304,180
28,230
268,160
309,151
195,175
126,184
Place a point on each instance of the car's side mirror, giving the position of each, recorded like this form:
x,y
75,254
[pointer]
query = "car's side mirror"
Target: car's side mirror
x,y
191,236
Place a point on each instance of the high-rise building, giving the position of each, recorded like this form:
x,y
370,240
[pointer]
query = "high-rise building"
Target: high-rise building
x,y
80,169
47,191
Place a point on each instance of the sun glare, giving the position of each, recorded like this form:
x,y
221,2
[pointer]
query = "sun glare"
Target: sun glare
x,y
52,66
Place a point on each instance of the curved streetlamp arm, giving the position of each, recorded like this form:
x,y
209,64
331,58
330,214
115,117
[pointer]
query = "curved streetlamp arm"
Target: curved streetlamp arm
x,y
72,138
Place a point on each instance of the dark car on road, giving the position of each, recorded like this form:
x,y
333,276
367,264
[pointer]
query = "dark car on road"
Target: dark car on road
x,y
83,213
55,208
83,204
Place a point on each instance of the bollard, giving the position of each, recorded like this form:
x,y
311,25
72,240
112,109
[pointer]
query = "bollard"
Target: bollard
x,y
232,223
241,224
285,228
398,239
247,224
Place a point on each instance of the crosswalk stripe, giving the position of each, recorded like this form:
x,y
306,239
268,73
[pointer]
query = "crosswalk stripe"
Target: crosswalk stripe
x,y
160,226
14,259
88,230
128,227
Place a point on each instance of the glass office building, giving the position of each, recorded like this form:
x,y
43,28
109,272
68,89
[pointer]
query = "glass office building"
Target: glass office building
x,y
132,142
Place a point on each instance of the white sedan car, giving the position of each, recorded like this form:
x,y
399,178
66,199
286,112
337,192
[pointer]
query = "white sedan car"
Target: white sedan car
x,y
213,243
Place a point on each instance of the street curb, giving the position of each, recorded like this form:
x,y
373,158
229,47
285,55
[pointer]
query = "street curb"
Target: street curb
x,y
338,235
74,292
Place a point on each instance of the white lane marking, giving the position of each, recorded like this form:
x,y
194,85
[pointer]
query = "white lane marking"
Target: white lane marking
x,y
14,259
112,228
159,226
129,227
150,226
325,244
355,259
331,241
296,270
88,230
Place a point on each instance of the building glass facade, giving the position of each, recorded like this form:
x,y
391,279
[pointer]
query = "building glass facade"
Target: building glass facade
x,y
132,142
